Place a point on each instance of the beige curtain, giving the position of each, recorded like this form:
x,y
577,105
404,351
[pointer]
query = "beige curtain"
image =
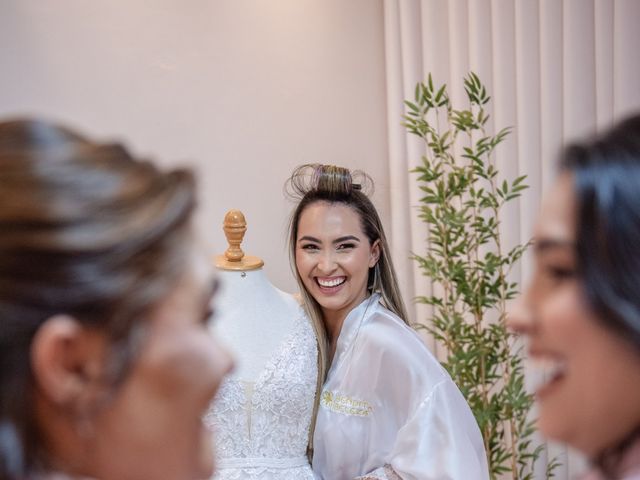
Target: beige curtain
x,y
556,70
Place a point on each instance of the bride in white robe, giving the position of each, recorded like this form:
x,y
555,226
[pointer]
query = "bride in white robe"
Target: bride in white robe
x,y
388,410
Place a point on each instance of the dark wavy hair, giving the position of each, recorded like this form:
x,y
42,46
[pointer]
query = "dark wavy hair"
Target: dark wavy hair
x,y
606,173
85,230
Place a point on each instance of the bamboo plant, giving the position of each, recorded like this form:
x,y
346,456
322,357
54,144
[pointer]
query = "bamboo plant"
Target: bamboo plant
x,y
470,268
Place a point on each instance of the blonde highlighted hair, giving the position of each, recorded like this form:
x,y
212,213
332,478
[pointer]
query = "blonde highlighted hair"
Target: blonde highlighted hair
x,y
313,183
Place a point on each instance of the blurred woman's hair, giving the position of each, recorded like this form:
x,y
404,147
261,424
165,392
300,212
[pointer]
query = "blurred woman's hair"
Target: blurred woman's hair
x,y
606,176
85,230
606,172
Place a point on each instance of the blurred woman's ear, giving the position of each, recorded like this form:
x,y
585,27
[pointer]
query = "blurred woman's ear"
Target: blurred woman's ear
x,y
68,362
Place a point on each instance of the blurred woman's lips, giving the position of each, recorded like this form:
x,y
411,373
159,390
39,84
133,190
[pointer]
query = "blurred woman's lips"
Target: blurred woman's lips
x,y
548,370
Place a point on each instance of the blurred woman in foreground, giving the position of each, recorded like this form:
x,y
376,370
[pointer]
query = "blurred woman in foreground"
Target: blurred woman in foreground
x,y
106,362
581,312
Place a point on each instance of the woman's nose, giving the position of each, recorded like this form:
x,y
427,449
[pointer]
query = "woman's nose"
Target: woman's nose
x,y
519,316
326,263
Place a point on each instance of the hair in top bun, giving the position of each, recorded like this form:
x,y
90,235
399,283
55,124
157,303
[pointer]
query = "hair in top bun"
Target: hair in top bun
x,y
327,181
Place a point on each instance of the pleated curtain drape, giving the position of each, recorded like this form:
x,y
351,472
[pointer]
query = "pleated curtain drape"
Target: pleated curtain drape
x,y
557,70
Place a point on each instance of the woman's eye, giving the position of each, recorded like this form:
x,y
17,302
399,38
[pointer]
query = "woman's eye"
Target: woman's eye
x,y
309,247
345,246
560,273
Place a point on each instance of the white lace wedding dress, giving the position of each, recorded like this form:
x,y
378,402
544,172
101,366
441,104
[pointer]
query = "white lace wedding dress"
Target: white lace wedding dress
x,y
262,428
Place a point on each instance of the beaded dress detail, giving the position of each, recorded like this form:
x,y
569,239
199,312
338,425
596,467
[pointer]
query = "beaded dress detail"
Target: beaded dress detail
x,y
262,427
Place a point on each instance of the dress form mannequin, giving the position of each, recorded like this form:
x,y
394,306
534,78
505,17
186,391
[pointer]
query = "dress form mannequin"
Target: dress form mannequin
x,y
253,316
262,414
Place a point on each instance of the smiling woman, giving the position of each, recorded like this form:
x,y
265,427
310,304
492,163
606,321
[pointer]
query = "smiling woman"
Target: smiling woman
x,y
581,312
333,259
387,409
106,361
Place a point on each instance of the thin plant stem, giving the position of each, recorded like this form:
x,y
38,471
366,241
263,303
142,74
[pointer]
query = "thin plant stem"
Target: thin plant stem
x,y
461,222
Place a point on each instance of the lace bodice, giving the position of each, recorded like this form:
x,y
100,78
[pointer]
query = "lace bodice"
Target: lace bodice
x,y
262,428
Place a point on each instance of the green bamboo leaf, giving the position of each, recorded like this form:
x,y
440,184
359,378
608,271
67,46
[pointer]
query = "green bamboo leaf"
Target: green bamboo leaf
x,y
461,204
519,180
412,106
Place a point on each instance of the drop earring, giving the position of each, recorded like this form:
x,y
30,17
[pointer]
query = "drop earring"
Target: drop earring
x,y
375,283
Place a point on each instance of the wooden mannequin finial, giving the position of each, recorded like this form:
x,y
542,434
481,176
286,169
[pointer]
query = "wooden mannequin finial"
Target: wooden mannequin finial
x,y
234,227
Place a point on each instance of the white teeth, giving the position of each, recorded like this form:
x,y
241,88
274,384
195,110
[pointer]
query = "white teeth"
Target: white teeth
x,y
333,282
544,370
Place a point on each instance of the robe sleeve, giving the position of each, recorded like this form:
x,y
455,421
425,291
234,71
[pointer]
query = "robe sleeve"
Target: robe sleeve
x,y
441,440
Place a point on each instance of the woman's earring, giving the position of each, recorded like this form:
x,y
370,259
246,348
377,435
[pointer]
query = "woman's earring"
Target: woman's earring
x,y
376,274
371,278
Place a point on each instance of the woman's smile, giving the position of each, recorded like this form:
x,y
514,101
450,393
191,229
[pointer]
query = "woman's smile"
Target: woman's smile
x,y
330,285
549,371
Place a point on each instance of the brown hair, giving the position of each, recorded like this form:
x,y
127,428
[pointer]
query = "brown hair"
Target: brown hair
x,y
313,183
606,175
85,230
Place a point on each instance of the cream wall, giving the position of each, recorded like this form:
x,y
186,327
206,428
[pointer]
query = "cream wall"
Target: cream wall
x,y
243,90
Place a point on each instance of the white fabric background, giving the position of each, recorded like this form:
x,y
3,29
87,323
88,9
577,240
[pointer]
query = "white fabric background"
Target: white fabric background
x,y
556,70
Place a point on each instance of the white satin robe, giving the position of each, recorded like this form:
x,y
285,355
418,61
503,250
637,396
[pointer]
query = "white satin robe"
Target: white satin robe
x,y
388,402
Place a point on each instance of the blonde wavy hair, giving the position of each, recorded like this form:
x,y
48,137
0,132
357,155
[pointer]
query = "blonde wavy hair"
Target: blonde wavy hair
x,y
313,183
